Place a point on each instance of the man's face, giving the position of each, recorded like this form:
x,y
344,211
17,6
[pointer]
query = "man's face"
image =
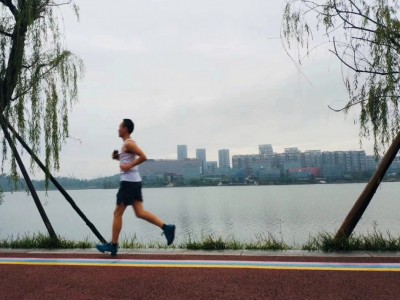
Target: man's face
x,y
121,130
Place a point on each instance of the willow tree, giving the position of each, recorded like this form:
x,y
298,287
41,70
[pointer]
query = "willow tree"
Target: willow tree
x,y
365,37
38,82
38,76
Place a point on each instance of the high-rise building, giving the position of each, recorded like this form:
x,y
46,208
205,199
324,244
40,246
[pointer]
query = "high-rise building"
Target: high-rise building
x,y
201,155
251,163
182,152
210,167
340,158
371,163
223,158
292,158
265,149
355,161
188,168
328,158
312,159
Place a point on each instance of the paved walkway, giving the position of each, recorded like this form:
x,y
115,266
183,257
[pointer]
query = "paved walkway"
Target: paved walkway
x,y
31,274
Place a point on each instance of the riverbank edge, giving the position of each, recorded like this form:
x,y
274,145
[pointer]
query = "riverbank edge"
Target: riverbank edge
x,y
266,253
324,242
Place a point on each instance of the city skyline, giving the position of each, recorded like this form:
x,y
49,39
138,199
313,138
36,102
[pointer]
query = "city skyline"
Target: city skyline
x,y
264,149
265,166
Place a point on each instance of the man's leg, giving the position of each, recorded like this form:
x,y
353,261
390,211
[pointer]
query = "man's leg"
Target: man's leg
x,y
116,229
169,230
117,222
145,215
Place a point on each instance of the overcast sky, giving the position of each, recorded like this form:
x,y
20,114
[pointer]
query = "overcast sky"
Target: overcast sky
x,y
208,74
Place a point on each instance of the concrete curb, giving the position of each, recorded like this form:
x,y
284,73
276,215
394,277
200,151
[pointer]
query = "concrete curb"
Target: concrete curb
x,y
293,253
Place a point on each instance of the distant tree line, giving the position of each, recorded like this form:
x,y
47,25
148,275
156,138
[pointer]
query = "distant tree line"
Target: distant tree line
x,y
109,182
112,182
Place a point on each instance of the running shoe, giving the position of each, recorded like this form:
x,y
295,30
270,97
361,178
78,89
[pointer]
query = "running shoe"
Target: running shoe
x,y
169,233
107,248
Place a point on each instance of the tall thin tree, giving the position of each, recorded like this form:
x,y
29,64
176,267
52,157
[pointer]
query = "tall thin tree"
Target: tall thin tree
x,y
38,79
365,38
38,76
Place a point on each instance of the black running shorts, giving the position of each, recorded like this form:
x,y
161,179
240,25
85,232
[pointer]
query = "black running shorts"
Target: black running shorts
x,y
129,192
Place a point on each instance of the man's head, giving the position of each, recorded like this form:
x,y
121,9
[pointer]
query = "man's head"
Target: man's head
x,y
126,127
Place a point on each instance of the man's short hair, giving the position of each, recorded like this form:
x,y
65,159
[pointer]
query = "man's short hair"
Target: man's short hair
x,y
129,125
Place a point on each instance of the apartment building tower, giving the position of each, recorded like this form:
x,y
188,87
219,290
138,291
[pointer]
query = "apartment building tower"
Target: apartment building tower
x,y
182,152
265,149
223,158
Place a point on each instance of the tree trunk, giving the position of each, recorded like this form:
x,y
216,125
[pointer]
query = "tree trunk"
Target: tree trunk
x,y
361,204
14,64
28,182
56,184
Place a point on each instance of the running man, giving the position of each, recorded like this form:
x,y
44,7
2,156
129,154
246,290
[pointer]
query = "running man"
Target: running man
x,y
130,191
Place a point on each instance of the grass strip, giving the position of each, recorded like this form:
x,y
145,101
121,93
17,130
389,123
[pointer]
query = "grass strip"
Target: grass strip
x,y
375,241
39,240
324,241
262,242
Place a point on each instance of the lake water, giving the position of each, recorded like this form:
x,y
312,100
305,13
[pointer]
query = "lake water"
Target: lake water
x,y
291,213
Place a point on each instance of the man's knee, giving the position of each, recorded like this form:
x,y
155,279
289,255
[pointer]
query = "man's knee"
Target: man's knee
x,y
140,213
119,211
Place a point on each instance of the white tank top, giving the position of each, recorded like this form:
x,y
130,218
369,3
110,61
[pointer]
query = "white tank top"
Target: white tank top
x,y
125,158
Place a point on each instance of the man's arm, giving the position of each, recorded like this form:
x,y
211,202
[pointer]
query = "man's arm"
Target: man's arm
x,y
115,155
133,148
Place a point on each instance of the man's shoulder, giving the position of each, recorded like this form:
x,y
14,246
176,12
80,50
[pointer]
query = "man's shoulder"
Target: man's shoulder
x,y
130,144
130,141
